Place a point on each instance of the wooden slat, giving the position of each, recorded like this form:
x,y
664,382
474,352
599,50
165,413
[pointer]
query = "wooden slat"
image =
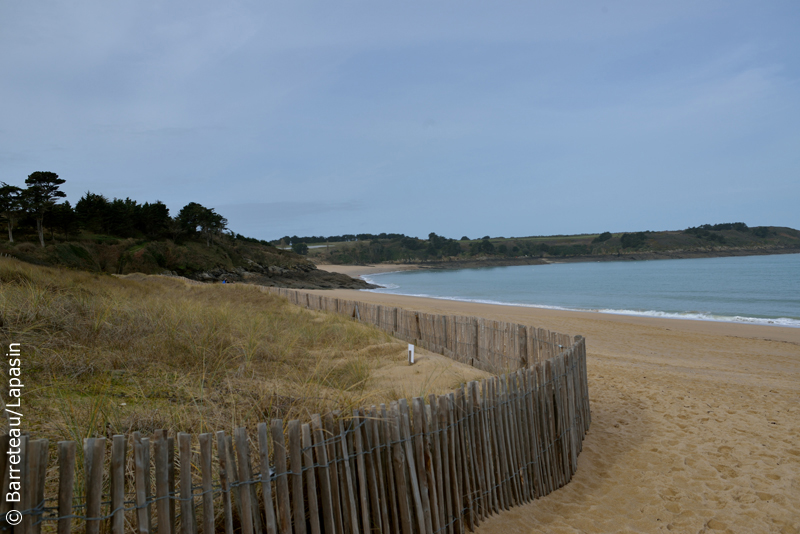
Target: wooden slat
x,y
347,482
520,428
399,465
141,466
118,484
207,482
37,467
486,443
160,459
233,476
444,438
509,441
225,481
333,455
296,478
513,437
370,459
66,483
386,436
188,524
455,467
171,483
243,461
476,451
361,469
376,444
281,477
94,451
461,460
310,480
422,460
413,481
500,474
323,471
436,489
524,432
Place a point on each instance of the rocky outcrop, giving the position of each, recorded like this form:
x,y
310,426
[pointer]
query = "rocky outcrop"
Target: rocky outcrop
x,y
301,276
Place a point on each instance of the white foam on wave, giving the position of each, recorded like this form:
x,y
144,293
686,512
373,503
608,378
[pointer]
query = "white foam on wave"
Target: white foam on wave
x,y
692,316
368,279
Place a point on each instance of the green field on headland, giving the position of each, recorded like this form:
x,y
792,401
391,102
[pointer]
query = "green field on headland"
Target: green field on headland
x,y
726,239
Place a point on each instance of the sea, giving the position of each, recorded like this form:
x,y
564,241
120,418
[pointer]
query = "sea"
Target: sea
x,y
744,289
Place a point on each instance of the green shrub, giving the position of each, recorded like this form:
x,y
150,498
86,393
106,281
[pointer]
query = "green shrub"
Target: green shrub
x,y
634,240
605,236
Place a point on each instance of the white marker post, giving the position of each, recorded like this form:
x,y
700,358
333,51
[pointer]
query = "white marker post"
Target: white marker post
x,y
410,354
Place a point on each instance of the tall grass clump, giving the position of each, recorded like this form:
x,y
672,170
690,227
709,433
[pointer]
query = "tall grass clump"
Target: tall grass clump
x,y
103,355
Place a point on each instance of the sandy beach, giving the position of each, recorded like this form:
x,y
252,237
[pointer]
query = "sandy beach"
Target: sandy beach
x,y
360,270
696,424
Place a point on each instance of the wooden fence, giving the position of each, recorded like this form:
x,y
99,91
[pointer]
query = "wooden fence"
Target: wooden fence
x,y
440,466
493,346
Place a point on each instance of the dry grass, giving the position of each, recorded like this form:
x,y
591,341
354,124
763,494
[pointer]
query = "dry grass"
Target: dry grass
x,y
105,355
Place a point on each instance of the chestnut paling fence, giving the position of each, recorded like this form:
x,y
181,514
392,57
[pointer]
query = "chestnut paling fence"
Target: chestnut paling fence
x,y
440,466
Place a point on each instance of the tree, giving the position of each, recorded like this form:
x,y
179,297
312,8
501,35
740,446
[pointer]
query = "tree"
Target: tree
x,y
300,248
63,218
11,206
92,211
605,236
153,219
41,195
195,218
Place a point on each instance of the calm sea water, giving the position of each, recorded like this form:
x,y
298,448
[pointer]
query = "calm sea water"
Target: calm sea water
x,y
749,289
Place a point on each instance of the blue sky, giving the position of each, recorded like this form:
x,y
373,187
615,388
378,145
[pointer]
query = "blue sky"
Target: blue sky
x,y
461,118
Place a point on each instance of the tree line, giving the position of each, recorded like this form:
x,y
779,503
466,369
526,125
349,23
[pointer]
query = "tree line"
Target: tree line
x,y
94,213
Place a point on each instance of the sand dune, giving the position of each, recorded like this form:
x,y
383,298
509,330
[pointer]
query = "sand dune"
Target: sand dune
x,y
696,425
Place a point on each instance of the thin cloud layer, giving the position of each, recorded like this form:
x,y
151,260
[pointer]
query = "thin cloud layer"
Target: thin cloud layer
x,y
509,118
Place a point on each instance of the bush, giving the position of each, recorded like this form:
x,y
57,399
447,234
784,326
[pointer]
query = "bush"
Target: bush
x,y
605,236
761,231
635,240
25,247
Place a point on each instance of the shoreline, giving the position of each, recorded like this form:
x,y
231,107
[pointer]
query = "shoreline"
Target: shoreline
x,y
695,424
363,271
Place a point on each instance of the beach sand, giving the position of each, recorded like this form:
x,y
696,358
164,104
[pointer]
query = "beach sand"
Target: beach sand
x,y
695,424
359,270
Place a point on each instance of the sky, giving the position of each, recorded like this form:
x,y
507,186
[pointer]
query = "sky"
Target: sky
x,y
502,118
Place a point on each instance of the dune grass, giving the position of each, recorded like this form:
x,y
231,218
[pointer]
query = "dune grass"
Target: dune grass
x,y
103,355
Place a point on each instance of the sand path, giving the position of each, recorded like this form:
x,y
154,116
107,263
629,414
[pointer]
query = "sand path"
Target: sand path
x,y
696,425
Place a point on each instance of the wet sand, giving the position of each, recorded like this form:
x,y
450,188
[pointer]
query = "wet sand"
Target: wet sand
x,y
696,424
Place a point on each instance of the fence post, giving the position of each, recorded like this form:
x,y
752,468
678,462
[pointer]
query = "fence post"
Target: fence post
x,y
118,451
208,497
66,483
282,477
94,450
224,479
310,480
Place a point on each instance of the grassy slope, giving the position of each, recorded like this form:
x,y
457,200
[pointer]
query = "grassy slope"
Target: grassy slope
x,y
104,354
122,256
